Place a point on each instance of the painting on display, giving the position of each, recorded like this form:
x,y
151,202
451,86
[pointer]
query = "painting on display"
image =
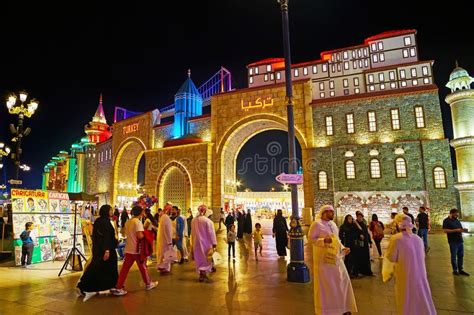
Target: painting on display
x,y
29,201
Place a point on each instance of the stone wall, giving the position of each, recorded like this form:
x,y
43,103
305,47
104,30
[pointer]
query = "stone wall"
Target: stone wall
x,y
104,171
162,133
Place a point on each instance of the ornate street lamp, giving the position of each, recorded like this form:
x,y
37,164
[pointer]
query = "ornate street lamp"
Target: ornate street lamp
x,y
297,271
17,105
4,151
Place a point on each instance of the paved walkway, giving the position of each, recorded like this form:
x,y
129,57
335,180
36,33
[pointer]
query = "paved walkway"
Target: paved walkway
x,y
243,287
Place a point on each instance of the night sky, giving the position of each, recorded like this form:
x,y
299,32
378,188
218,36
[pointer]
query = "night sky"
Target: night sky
x,y
138,54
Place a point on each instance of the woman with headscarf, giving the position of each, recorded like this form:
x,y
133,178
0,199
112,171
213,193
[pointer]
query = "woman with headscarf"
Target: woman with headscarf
x,y
164,241
405,260
248,223
333,294
362,246
203,243
348,234
280,233
240,224
101,274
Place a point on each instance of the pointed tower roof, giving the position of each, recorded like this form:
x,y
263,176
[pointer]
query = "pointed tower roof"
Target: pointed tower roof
x,y
459,79
188,87
99,115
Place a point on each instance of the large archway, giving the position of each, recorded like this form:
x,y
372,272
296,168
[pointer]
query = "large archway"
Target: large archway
x,y
174,186
231,144
126,165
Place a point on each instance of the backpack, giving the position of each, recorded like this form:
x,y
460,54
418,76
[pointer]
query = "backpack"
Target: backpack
x,y
378,231
24,236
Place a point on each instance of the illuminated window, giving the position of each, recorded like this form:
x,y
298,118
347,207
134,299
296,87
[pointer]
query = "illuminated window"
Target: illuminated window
x,y
401,167
366,52
256,70
382,57
391,75
350,123
395,118
413,72
414,82
305,71
269,68
439,177
251,71
419,117
333,67
371,78
382,86
251,80
393,85
323,180
331,84
407,41
404,83
366,62
354,54
354,64
359,53
412,52
425,70
356,90
381,77
346,91
346,55
272,76
361,64
329,126
321,86
373,46
426,81
332,93
405,53
346,65
265,77
375,58
325,67
350,170
402,74
375,169
371,88
339,67
380,45
372,118
297,72
278,75
356,81
345,83
322,94
315,69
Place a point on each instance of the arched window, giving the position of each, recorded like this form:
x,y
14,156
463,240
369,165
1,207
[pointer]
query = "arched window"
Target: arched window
x,y
439,177
350,170
375,169
401,167
323,180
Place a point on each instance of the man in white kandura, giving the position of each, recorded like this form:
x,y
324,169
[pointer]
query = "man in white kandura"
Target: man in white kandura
x,y
405,259
203,243
164,241
333,292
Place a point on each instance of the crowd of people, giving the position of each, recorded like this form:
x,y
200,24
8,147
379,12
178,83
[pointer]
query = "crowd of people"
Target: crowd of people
x,y
339,253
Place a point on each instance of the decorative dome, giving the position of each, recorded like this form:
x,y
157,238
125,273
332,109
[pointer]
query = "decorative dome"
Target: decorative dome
x,y
459,79
457,73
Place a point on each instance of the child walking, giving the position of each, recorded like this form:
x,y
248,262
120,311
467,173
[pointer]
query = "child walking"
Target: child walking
x,y
28,239
231,240
257,236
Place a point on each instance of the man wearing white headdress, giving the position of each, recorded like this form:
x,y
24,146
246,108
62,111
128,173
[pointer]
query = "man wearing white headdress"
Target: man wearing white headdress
x,y
203,243
164,240
333,292
405,259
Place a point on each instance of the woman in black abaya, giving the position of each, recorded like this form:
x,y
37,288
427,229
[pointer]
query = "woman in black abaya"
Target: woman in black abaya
x,y
101,274
280,233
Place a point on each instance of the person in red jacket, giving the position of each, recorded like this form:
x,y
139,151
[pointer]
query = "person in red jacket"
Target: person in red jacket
x,y
377,228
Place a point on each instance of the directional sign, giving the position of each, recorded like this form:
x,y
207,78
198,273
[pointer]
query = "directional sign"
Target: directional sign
x,y
15,182
290,178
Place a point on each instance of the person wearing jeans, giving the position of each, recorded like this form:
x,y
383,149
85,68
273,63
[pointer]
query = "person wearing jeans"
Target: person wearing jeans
x,y
423,225
453,228
134,231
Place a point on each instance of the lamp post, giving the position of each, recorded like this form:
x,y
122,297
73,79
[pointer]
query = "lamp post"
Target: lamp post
x,y
4,151
297,271
23,110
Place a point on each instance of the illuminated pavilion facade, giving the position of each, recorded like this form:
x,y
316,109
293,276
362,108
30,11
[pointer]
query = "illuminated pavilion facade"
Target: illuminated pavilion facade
x,y
367,118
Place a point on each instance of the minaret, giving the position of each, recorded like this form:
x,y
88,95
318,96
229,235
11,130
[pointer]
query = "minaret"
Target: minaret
x,y
98,130
461,101
188,103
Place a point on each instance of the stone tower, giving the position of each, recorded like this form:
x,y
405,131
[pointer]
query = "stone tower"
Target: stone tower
x,y
98,130
461,101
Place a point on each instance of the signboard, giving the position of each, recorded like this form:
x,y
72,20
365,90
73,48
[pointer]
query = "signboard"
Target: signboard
x,y
15,182
290,179
53,222
258,103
